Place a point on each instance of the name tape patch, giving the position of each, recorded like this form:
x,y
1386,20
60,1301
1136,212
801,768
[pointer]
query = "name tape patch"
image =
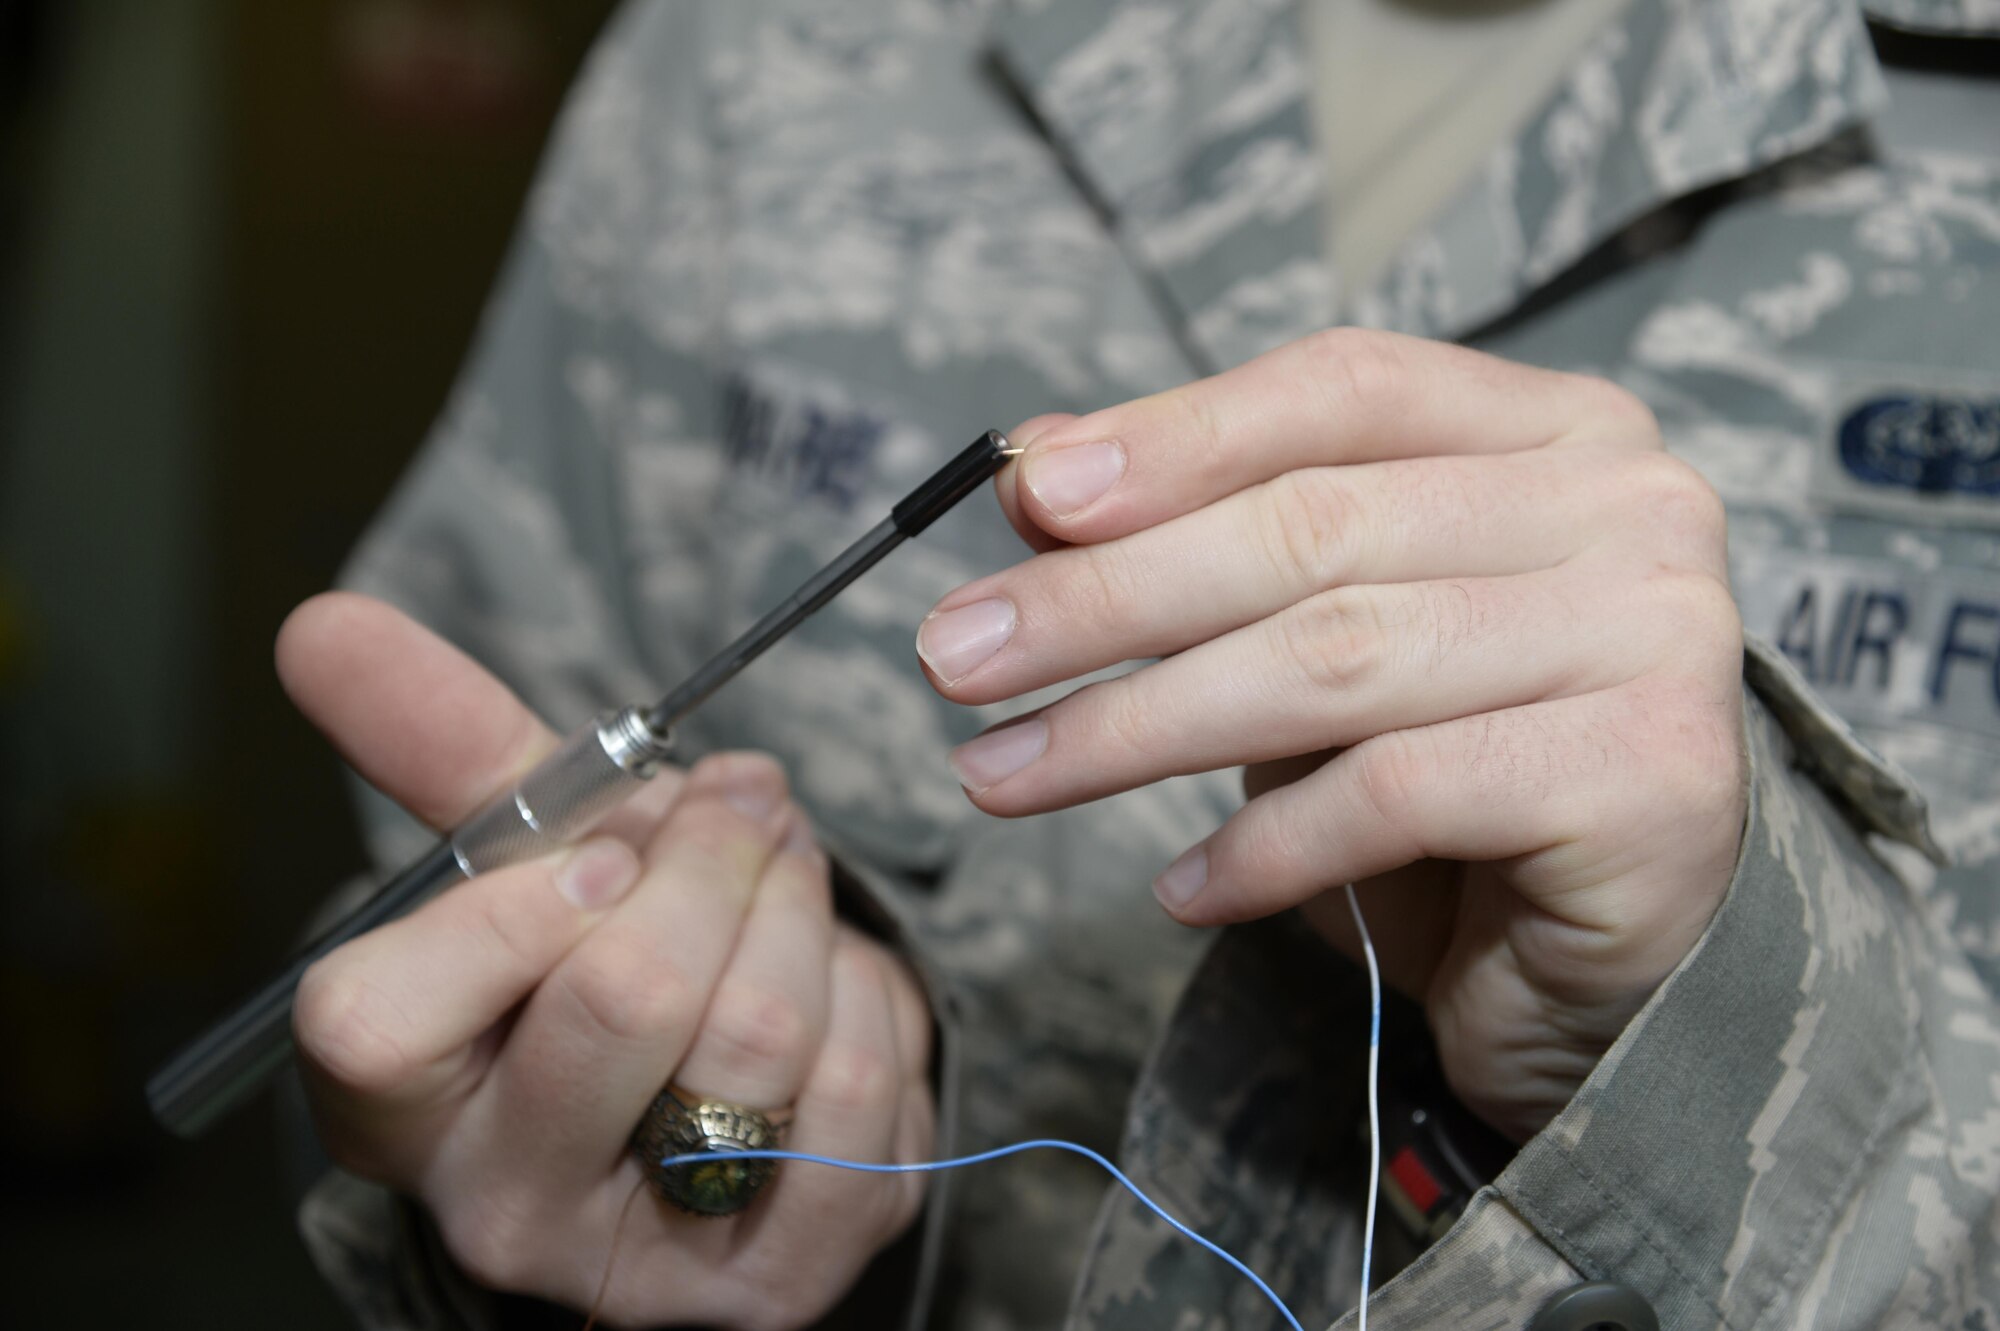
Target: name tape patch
x,y
1882,642
813,446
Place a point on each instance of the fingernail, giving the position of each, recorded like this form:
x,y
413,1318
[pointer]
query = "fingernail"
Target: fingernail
x,y
954,643
987,761
1184,878
598,873
1069,480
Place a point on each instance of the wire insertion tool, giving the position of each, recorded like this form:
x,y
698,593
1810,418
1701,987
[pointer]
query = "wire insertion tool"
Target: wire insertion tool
x,y
560,800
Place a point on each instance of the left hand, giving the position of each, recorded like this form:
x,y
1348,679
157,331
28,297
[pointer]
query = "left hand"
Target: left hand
x,y
1468,624
489,1053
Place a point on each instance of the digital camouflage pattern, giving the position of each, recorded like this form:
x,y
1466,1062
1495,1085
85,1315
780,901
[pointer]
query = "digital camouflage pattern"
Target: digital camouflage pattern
x,y
786,256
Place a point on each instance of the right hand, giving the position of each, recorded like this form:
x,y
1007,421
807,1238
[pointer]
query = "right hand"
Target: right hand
x,y
490,1053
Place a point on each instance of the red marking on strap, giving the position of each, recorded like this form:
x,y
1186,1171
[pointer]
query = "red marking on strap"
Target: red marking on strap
x,y
1415,1181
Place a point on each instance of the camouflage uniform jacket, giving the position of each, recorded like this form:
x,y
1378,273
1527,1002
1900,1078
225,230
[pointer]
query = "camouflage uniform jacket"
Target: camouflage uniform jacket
x,y
785,255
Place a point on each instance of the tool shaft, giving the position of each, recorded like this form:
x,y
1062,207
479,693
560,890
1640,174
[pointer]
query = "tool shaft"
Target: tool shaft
x,y
921,507
822,587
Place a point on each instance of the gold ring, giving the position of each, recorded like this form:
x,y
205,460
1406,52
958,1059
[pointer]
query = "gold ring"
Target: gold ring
x,y
678,1122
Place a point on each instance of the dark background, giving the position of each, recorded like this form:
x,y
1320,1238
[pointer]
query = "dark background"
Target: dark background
x,y
243,245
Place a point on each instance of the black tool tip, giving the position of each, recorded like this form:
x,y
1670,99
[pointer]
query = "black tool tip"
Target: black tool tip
x,y
952,482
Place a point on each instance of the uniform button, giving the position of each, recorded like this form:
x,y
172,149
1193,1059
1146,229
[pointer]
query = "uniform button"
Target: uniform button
x,y
1602,1305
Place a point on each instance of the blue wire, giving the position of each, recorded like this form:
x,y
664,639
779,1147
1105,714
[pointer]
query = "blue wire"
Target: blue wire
x,y
1050,1143
1000,1152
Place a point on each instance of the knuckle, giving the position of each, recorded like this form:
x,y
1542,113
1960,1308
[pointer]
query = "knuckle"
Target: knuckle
x,y
853,1078
1624,412
1361,371
754,1027
632,994
1309,517
1449,616
338,1021
1104,589
1704,617
1694,742
1678,499
1389,769
1509,756
1123,718
1335,638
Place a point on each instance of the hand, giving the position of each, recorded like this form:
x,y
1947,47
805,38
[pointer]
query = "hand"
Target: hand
x,y
1467,622
491,1052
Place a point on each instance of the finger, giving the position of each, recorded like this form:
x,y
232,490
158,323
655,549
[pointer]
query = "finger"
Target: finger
x,y
1411,912
392,1020
1006,481
916,1142
849,1108
916,1114
416,717
412,714
1156,591
911,1011
764,1023
1561,790
1346,665
1343,396
601,1035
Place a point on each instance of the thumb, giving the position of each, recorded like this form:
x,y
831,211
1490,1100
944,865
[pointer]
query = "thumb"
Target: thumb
x,y
415,716
421,720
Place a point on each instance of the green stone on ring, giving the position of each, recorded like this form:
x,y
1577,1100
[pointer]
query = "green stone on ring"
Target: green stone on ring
x,y
680,1124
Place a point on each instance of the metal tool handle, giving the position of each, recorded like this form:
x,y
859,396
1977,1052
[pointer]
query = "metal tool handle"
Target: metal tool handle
x,y
566,794
558,801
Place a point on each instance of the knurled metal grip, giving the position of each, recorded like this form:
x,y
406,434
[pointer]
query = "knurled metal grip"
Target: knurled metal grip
x,y
565,795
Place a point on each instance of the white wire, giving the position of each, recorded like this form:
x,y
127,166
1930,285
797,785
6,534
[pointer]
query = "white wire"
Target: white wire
x,y
1374,1102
